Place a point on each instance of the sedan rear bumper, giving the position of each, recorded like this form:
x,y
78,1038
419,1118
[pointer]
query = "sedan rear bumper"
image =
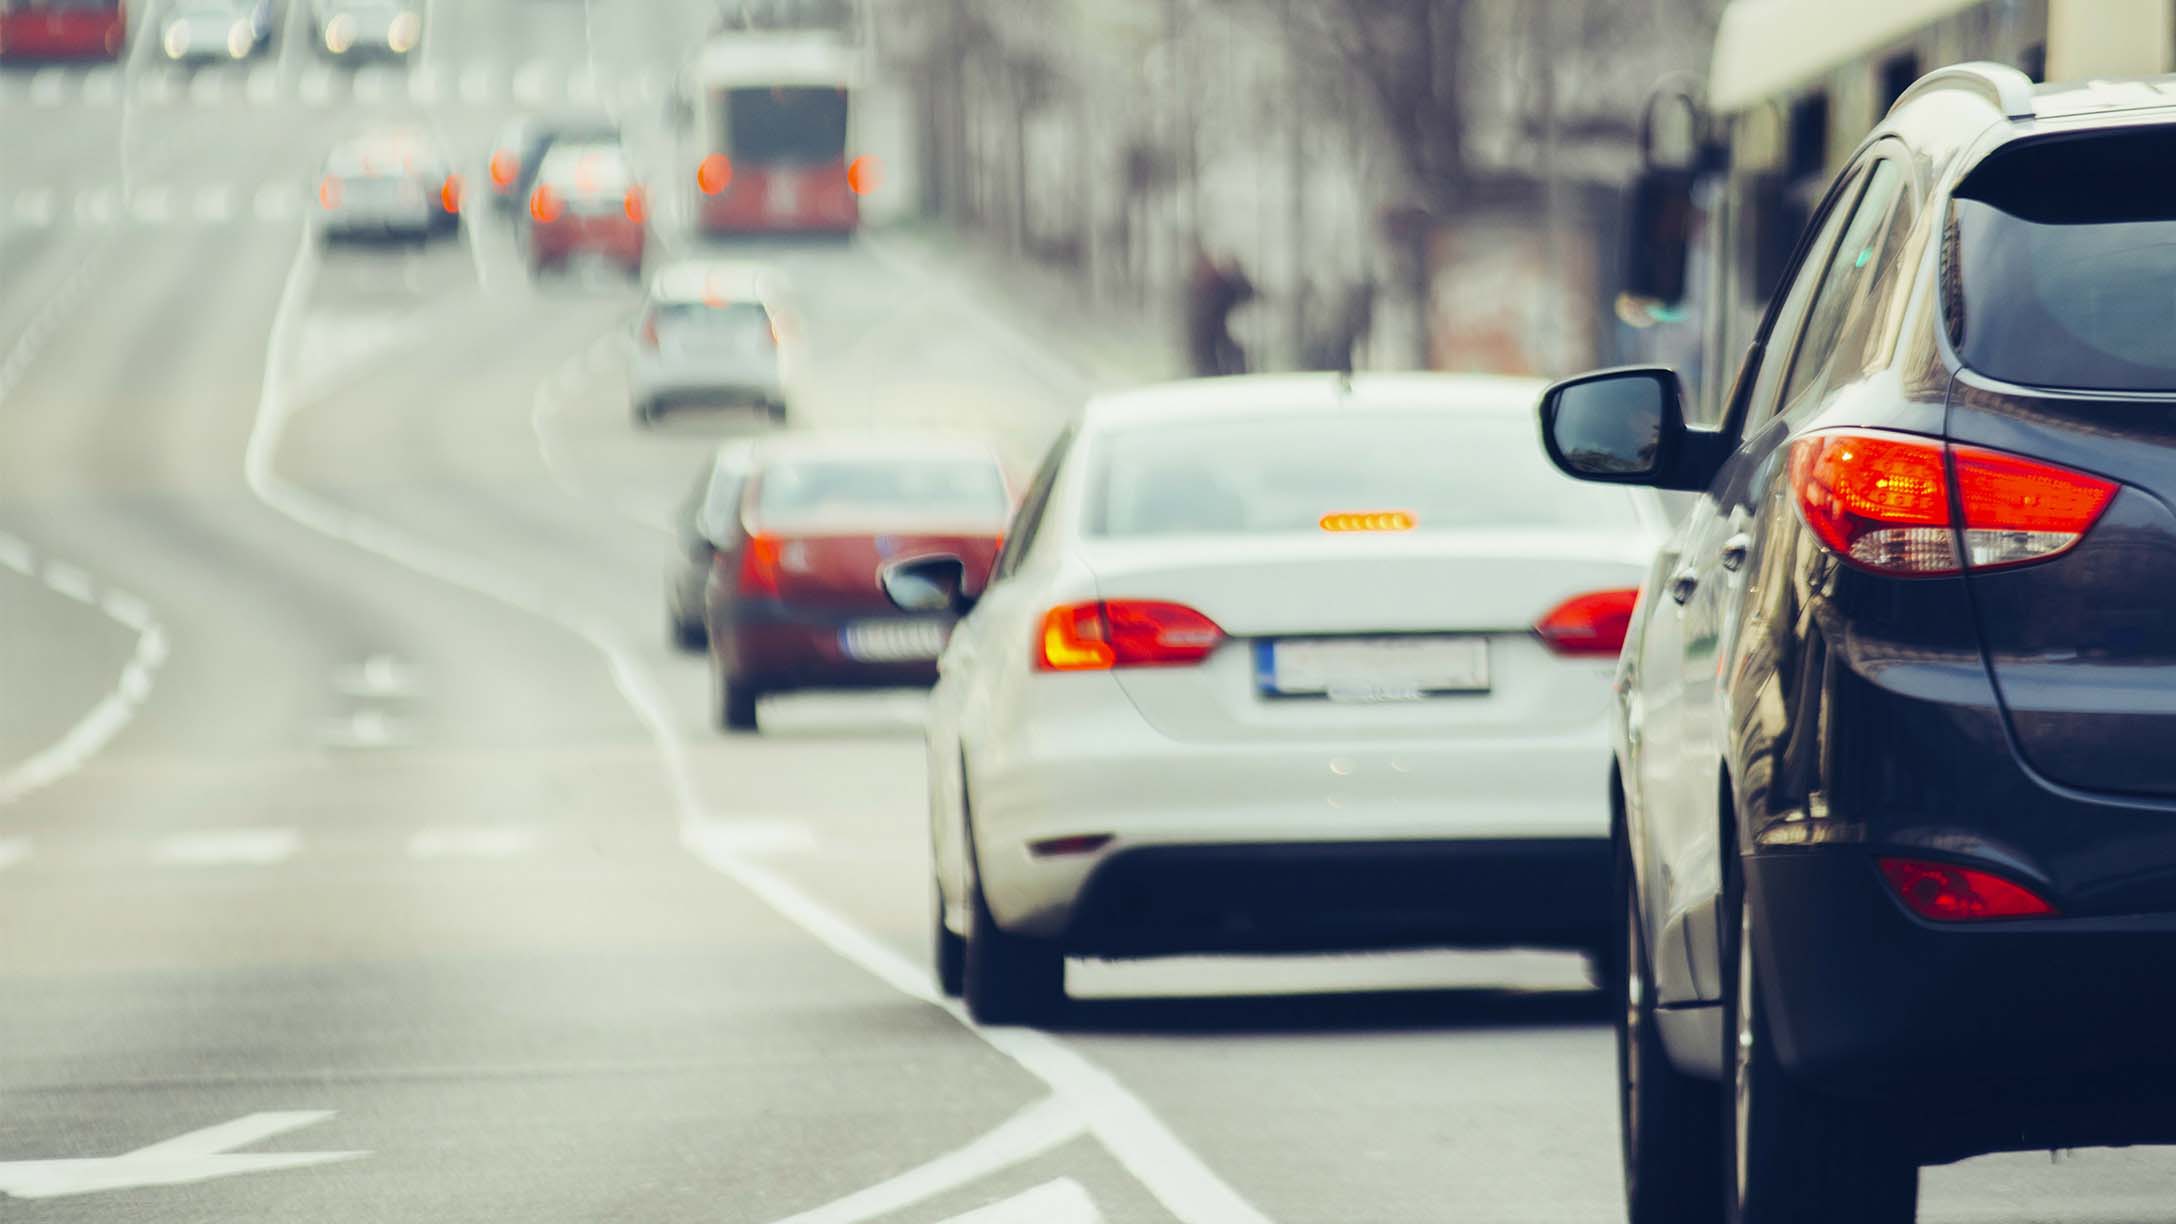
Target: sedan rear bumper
x,y
2046,1033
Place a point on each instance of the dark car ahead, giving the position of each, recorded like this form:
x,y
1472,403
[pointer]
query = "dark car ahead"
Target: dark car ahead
x,y
795,597
1894,795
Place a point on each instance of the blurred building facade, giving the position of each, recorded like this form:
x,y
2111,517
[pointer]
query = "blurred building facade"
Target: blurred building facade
x,y
1458,164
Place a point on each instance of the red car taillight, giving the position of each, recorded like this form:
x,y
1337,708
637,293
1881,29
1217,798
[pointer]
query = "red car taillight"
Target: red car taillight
x,y
328,193
1124,633
759,566
862,175
714,174
1943,892
1885,501
504,166
1593,625
449,193
637,207
544,205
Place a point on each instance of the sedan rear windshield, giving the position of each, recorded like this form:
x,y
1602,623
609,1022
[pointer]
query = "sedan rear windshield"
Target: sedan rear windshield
x,y
815,492
1260,476
2060,263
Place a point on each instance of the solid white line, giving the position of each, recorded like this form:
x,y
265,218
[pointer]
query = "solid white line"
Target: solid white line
x,y
1056,1202
228,848
1028,1134
1128,1129
69,580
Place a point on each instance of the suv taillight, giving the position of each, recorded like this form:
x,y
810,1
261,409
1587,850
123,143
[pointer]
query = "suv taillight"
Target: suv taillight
x,y
1123,633
1885,501
1593,625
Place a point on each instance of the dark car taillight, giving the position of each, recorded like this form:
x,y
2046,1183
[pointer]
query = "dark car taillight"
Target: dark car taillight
x,y
1944,892
1885,501
1124,633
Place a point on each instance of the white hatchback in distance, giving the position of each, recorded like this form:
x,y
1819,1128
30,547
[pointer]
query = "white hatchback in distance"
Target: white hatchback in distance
x,y
1280,664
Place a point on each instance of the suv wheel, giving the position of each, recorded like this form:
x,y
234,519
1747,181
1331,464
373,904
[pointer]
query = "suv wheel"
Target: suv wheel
x,y
1671,1122
1794,1155
1008,979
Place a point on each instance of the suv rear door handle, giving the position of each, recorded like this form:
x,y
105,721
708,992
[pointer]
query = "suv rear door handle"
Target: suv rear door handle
x,y
1683,583
1735,551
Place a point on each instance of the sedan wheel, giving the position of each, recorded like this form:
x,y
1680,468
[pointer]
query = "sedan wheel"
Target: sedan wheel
x,y
1009,979
1671,1122
949,950
1794,1155
736,704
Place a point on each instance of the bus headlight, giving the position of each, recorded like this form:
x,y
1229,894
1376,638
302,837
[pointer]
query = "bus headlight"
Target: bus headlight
x,y
176,41
401,36
240,39
340,34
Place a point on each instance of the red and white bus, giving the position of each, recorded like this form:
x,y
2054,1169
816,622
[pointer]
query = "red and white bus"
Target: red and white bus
x,y
773,135
62,29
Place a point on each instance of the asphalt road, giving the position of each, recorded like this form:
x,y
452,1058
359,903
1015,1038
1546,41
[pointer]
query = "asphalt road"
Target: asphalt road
x,y
353,808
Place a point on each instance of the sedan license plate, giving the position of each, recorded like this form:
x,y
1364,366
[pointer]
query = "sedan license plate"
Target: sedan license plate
x,y
1405,668
893,641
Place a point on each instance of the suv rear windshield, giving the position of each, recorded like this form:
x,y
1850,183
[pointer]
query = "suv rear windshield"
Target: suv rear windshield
x,y
2060,263
1258,476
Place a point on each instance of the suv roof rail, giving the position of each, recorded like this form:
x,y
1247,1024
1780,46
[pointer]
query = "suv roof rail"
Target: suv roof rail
x,y
2008,89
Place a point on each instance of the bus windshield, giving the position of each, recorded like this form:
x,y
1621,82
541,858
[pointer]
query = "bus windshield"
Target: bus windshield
x,y
799,125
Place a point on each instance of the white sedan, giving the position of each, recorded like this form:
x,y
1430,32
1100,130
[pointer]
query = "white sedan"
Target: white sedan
x,y
1279,664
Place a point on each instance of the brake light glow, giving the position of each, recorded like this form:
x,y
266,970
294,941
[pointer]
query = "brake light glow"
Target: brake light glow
x,y
328,193
759,566
503,168
863,174
637,207
1372,520
715,174
649,331
449,193
1592,625
1944,892
1124,633
1884,501
544,205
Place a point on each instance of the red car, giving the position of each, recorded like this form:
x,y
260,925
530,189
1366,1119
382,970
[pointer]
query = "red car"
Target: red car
x,y
586,202
62,29
795,597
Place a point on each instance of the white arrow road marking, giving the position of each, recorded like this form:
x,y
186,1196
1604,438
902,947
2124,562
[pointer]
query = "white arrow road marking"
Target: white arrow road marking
x,y
1030,1133
195,1157
470,843
1059,1202
229,847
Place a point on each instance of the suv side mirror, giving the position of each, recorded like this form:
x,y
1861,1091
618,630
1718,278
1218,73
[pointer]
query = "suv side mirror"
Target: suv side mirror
x,y
1621,426
1658,234
934,583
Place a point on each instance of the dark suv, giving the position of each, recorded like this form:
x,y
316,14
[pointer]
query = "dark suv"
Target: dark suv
x,y
1895,752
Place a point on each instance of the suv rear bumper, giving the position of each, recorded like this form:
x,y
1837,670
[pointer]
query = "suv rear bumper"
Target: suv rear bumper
x,y
2005,1035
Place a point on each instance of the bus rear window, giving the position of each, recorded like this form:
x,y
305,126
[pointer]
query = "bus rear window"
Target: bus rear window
x,y
2059,263
797,126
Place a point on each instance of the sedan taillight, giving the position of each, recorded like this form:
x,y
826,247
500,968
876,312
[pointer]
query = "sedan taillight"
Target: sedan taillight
x,y
1124,633
544,205
328,192
1885,501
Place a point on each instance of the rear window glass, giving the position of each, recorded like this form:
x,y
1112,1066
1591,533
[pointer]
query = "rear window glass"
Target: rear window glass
x,y
813,492
586,169
1269,475
701,318
2060,263
789,125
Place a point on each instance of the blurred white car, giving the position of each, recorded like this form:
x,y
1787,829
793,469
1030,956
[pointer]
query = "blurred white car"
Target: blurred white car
x,y
210,31
391,184
352,29
1280,664
710,333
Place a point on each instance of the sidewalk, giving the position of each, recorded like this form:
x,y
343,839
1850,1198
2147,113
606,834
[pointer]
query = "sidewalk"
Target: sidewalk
x,y
1104,345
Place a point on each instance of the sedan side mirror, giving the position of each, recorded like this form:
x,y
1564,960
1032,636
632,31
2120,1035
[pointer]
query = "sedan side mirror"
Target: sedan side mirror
x,y
936,583
1622,426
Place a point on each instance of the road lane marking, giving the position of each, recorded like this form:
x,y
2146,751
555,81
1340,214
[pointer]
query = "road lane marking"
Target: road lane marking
x,y
153,205
46,87
215,205
95,207
373,84
264,84
379,676
13,851
157,86
1039,1128
228,848
315,88
1122,1122
531,81
423,85
480,843
476,84
102,86
208,88
1063,1201
275,202
70,581
363,730
198,1156
127,609
34,208
16,555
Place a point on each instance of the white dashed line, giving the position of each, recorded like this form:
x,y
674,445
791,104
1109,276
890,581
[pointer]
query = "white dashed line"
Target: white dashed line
x,y
70,581
364,730
96,206
531,82
13,850
264,85
102,86
46,87
129,610
153,205
228,848
483,843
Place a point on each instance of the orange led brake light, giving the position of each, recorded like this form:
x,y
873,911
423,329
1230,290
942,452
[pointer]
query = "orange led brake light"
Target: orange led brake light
x,y
1368,520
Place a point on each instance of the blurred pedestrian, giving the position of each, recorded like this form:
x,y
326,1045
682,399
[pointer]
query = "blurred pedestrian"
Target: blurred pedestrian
x,y
1213,292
